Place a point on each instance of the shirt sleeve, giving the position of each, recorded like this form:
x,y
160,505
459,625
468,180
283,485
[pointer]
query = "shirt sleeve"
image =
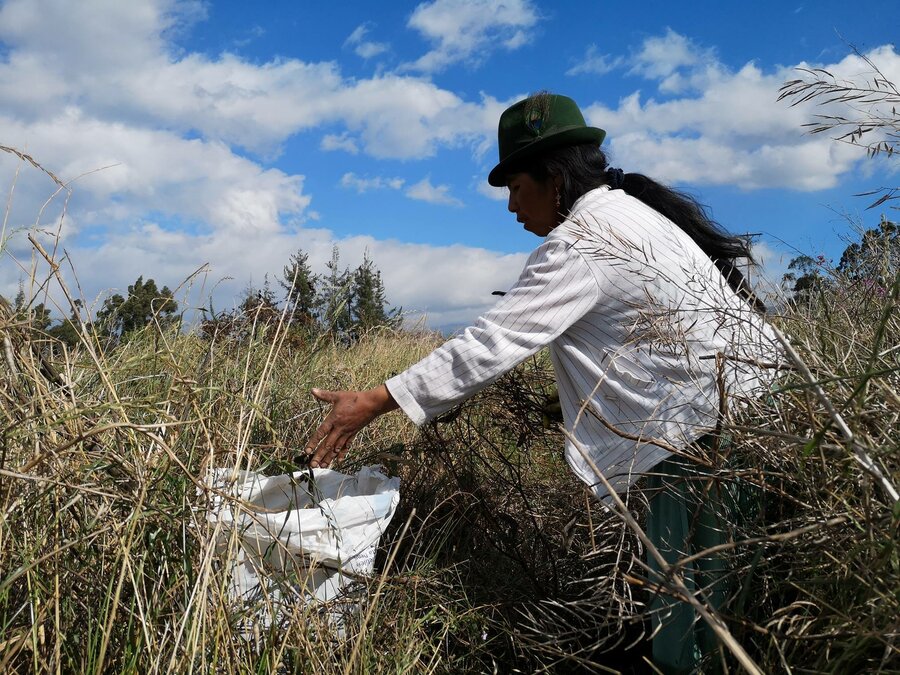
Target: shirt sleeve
x,y
556,288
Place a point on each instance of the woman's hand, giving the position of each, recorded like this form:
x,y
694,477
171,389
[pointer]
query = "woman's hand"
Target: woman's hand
x,y
350,412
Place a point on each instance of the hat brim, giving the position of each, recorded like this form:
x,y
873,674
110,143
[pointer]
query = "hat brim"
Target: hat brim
x,y
497,176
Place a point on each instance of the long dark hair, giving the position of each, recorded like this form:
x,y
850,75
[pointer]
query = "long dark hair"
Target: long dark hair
x,y
583,167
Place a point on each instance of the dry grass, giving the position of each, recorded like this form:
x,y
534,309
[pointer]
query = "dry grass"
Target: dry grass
x,y
497,561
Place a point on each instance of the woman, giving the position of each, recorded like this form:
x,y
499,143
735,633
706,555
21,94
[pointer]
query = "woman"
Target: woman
x,y
637,293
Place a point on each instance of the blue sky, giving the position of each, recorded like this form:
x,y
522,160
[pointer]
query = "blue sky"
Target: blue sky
x,y
226,135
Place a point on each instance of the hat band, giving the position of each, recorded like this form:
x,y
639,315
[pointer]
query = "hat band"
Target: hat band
x,y
525,142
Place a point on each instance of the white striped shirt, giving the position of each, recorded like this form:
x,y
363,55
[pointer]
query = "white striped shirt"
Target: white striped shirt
x,y
634,314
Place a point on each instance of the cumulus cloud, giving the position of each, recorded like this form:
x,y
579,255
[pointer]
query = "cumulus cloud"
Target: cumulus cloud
x,y
661,56
456,288
344,141
193,181
498,194
729,129
435,194
664,58
595,63
354,182
468,30
113,61
422,191
366,49
104,87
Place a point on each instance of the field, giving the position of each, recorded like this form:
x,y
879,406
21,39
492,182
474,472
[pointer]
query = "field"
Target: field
x,y
497,560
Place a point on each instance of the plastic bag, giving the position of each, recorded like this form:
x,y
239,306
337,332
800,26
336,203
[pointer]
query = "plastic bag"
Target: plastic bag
x,y
300,537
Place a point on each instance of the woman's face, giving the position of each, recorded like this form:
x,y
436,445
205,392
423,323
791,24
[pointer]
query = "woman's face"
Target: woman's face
x,y
533,202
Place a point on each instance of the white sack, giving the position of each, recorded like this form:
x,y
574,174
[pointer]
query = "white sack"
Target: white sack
x,y
295,541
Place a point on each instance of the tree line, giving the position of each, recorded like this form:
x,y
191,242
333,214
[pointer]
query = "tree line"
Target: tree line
x,y
342,302
873,263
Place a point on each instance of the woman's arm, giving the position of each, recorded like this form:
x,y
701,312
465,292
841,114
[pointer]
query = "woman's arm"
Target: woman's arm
x,y
555,289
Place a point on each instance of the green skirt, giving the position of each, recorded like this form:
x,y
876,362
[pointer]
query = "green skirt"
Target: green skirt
x,y
689,512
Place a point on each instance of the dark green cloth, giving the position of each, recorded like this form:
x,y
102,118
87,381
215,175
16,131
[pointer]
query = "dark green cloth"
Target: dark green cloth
x,y
686,516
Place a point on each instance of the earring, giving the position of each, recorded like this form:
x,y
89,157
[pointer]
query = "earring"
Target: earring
x,y
558,199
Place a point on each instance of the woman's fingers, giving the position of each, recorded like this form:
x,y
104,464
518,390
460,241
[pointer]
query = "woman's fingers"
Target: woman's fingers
x,y
320,444
334,448
348,441
317,437
335,442
330,438
324,395
327,449
340,448
350,412
343,451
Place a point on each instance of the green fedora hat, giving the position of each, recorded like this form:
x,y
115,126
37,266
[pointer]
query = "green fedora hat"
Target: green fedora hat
x,y
539,123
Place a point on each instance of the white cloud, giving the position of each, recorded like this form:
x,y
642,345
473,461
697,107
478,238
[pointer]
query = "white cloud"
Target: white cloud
x,y
342,141
594,63
156,171
422,191
455,289
113,61
404,118
518,39
368,50
434,194
365,48
79,41
498,194
109,90
660,57
773,264
357,35
451,284
467,30
354,182
731,129
251,35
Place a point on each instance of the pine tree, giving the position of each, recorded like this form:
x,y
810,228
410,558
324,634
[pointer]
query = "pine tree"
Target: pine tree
x,y
300,283
806,278
67,331
145,303
335,296
259,306
369,308
38,316
19,303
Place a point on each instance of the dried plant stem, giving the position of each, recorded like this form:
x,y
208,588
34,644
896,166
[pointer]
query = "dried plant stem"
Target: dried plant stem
x,y
669,571
86,342
374,599
31,160
8,353
771,539
859,451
